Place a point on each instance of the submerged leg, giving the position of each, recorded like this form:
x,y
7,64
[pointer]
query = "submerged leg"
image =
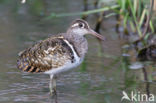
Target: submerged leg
x,y
52,85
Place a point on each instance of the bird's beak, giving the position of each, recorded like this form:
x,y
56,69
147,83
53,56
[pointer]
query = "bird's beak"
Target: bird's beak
x,y
96,34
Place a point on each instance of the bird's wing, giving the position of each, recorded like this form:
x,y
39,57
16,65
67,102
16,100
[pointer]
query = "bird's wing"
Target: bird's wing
x,y
48,54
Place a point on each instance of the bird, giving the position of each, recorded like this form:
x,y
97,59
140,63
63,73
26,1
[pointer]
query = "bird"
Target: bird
x,y
58,53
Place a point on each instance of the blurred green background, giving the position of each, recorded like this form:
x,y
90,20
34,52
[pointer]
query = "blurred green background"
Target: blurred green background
x,y
110,67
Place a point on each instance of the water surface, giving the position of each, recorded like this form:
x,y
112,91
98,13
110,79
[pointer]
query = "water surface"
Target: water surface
x,y
101,79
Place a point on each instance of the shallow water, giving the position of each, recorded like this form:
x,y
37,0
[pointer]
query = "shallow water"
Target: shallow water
x,y
101,79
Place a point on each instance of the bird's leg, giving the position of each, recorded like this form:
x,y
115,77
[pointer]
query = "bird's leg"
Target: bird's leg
x,y
52,85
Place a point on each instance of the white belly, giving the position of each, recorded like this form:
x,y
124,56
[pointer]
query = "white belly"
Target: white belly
x,y
65,67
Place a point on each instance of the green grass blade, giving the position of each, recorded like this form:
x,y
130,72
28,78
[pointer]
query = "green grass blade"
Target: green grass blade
x,y
151,26
54,15
125,20
123,4
135,6
132,26
142,17
134,17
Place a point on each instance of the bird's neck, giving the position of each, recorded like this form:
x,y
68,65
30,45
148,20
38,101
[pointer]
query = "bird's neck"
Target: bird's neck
x,y
79,43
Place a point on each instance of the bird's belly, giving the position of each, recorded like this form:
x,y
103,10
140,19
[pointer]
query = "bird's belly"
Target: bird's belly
x,y
67,66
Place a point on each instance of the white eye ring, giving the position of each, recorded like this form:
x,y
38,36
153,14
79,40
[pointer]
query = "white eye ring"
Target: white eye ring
x,y
81,25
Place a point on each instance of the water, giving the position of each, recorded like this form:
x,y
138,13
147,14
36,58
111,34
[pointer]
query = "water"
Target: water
x,y
101,79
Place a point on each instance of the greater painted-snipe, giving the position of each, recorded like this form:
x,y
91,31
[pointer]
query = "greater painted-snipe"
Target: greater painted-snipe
x,y
57,53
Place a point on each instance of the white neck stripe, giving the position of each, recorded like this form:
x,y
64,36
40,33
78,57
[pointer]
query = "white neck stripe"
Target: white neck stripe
x,y
74,52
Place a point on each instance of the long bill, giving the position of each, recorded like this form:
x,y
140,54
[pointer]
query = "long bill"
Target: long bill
x,y
96,34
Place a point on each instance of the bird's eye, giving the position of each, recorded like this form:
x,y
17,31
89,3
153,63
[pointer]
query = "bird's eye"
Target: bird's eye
x,y
81,25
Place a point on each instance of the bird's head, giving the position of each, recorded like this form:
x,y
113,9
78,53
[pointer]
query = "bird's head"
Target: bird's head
x,y
81,27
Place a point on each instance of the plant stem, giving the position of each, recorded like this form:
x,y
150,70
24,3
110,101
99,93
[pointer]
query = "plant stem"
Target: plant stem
x,y
54,15
148,18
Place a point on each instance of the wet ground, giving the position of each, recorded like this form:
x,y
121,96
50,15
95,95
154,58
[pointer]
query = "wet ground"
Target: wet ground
x,y
100,79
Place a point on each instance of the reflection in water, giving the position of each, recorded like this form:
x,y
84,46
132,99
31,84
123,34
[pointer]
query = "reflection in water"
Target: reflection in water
x,y
97,80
